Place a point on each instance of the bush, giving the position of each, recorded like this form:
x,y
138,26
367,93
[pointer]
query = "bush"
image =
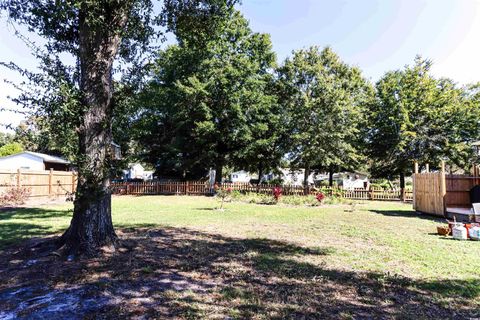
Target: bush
x,y
14,196
320,197
10,148
277,181
277,193
236,195
298,200
253,197
222,193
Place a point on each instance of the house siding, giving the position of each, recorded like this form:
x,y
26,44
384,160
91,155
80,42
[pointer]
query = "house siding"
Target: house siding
x,y
22,161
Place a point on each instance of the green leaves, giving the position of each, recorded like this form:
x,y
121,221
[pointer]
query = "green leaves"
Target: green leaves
x,y
10,148
324,98
216,101
418,117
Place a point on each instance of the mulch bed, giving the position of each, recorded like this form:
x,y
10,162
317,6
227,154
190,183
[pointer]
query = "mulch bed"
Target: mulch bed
x,y
181,273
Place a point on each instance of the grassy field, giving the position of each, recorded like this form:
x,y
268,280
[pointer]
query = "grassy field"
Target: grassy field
x,y
267,261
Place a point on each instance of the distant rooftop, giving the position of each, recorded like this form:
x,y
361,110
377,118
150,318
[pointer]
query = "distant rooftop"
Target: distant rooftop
x,y
43,156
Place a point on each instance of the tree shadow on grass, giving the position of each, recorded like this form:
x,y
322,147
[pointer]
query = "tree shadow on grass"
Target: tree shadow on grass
x,y
13,229
32,213
409,214
181,273
13,232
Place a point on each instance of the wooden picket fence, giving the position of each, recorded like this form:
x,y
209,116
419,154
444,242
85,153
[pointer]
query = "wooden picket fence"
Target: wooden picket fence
x,y
39,183
204,188
59,183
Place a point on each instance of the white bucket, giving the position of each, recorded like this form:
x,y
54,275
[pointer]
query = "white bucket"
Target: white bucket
x,y
459,232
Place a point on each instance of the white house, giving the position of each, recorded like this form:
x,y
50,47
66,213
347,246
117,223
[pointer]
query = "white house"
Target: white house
x,y
137,171
27,160
240,176
346,180
351,180
290,177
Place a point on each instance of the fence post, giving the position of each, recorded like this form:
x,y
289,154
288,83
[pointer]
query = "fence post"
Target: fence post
x,y
443,186
73,182
50,178
415,172
370,193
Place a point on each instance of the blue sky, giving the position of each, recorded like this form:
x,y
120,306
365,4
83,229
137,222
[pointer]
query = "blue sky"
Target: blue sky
x,y
376,35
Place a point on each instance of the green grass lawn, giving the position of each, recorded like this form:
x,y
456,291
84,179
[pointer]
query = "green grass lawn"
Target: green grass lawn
x,y
383,240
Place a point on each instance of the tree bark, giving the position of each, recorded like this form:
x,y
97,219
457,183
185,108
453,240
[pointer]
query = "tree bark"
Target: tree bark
x,y
91,226
260,173
218,171
402,186
305,179
330,177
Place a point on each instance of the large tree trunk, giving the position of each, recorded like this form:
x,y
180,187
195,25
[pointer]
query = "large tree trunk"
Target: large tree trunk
x,y
218,171
91,227
260,173
330,177
402,185
306,187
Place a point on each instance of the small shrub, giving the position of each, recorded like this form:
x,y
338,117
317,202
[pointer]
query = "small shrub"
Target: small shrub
x,y
277,193
14,196
236,195
294,200
222,193
320,197
277,181
258,198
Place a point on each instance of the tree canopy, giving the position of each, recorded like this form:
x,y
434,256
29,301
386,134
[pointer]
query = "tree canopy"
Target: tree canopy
x,y
325,100
418,117
209,106
10,148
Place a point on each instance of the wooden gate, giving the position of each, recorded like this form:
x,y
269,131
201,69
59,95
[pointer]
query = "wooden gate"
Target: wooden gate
x,y
429,190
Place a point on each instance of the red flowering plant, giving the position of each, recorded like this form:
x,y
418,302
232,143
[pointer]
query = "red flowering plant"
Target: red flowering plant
x,y
223,193
320,197
277,193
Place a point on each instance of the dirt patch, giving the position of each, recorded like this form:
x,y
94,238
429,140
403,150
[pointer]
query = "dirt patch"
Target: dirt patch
x,y
180,273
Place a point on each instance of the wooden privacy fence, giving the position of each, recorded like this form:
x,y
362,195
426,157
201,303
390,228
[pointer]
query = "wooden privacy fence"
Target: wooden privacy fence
x,y
458,190
429,191
39,183
204,188
436,192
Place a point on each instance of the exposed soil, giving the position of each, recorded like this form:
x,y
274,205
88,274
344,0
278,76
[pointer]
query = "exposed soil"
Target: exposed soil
x,y
180,273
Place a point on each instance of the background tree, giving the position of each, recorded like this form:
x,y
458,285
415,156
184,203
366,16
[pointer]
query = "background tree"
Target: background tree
x,y
468,127
417,117
325,99
10,148
6,138
208,102
95,34
268,145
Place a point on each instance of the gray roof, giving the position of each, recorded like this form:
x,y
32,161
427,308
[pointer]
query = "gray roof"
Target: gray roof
x,y
43,156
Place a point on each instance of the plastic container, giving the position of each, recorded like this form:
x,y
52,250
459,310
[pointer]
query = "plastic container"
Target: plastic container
x,y
459,232
474,232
